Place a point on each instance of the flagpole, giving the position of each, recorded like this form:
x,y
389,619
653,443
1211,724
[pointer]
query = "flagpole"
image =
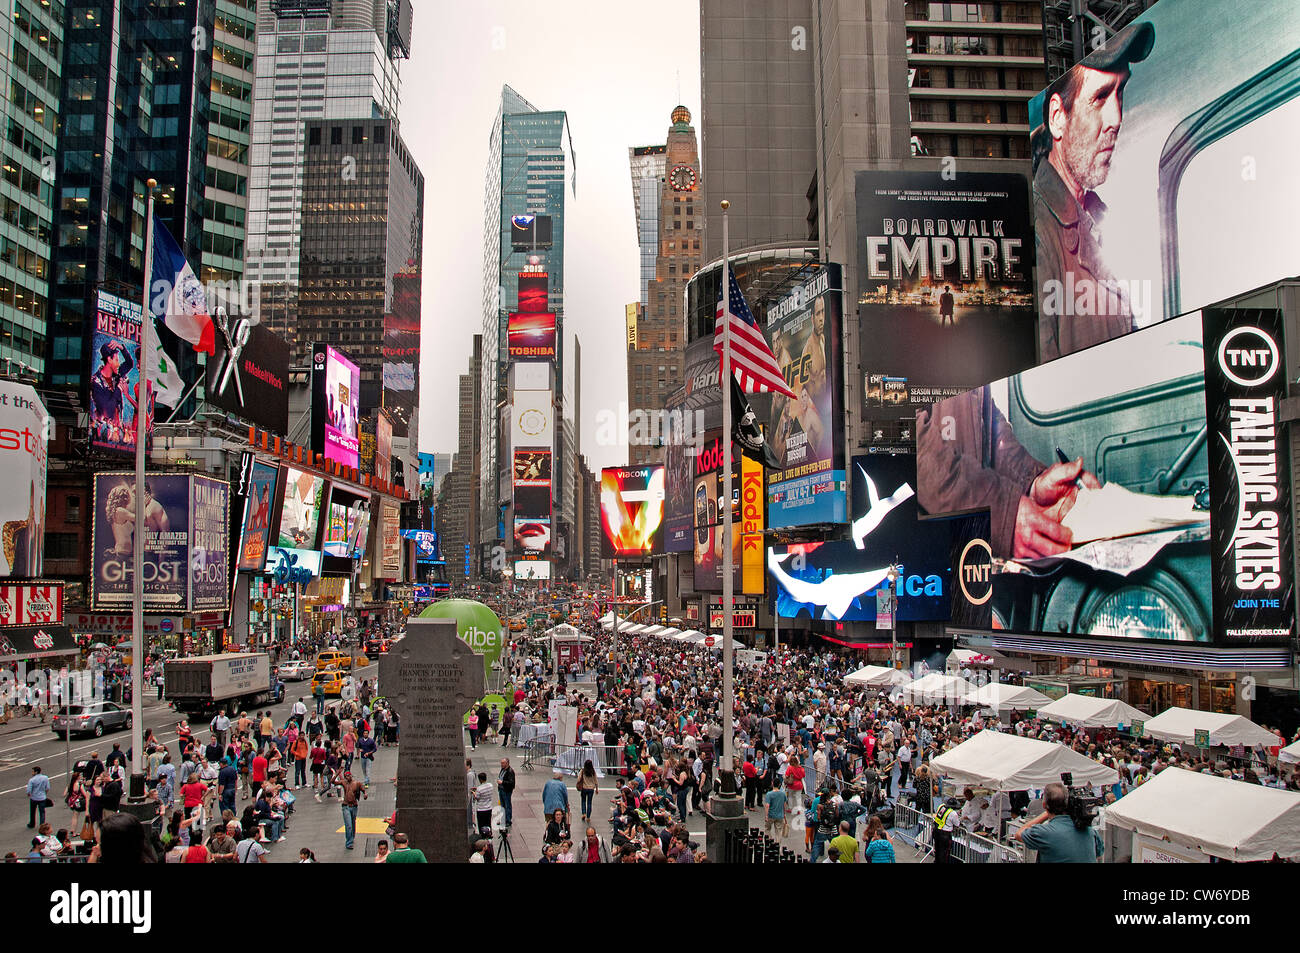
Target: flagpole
x,y
136,791
728,703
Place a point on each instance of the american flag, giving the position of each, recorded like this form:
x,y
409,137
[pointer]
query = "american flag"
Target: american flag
x,y
752,360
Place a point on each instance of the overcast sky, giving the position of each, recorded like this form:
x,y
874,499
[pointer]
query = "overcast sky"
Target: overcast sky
x,y
616,69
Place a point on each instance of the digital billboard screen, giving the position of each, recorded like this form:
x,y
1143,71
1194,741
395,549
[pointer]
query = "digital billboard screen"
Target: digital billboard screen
x,y
24,425
532,521
532,468
838,580
531,335
1162,179
248,375
946,296
402,352
209,532
1130,493
528,232
255,534
300,510
533,289
115,372
747,519
532,570
532,420
805,431
166,509
336,383
631,511
343,529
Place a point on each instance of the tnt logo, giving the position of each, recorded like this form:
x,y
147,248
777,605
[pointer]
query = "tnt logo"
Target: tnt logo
x,y
1248,356
975,572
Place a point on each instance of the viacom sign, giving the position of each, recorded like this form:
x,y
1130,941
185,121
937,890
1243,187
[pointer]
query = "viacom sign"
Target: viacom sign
x,y
1245,382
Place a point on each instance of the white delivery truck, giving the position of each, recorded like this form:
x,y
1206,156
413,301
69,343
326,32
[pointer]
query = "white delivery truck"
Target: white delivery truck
x,y
232,680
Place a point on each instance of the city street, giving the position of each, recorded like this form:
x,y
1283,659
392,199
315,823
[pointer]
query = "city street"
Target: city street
x,y
24,742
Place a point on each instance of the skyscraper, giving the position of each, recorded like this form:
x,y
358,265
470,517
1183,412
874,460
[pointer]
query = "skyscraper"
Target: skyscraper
x,y
362,224
456,513
530,159
649,165
225,203
316,60
654,360
136,104
31,43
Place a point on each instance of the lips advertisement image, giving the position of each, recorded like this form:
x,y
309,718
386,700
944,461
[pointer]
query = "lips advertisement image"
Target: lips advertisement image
x,y
1095,471
532,521
166,509
631,511
804,328
1162,166
945,265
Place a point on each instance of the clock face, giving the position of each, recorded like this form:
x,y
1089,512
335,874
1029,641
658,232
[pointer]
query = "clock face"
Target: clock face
x,y
682,178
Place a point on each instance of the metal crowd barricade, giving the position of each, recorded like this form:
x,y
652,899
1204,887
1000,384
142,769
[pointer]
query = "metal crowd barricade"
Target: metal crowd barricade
x,y
968,848
544,752
915,828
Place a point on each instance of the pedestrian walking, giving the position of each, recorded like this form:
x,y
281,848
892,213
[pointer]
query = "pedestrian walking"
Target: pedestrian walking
x,y
588,785
352,793
38,796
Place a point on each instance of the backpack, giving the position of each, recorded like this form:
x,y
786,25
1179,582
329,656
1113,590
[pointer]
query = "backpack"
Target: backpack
x,y
851,810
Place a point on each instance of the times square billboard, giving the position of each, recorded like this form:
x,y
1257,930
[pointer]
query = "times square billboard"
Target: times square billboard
x,y
1163,169
1135,490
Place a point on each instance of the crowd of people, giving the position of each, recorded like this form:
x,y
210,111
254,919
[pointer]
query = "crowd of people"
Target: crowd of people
x,y
809,751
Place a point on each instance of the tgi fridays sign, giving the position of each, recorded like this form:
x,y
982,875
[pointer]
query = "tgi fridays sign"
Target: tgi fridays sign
x,y
37,603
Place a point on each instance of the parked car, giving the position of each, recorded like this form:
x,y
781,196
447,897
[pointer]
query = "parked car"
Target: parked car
x,y
94,718
296,670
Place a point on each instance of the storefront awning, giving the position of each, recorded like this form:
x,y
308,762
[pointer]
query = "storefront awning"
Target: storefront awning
x,y
18,642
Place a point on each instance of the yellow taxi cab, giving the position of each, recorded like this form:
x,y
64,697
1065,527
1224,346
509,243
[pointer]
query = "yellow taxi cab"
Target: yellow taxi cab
x,y
330,679
333,658
516,625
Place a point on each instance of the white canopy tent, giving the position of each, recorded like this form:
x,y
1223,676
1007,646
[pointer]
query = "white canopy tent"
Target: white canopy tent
x,y
653,630
936,689
1002,697
690,635
876,676
1290,754
1181,724
959,659
1005,762
668,633
1089,711
633,628
563,631
1212,815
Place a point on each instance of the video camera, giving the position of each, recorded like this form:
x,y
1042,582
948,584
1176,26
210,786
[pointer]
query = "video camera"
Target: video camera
x,y
1082,806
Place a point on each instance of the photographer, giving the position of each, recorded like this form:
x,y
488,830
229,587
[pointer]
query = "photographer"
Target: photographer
x,y
1057,837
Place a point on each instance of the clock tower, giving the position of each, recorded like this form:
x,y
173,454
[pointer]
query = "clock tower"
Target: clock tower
x,y
656,350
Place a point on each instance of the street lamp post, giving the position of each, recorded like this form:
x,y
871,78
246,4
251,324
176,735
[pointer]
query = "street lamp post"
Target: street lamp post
x,y
893,574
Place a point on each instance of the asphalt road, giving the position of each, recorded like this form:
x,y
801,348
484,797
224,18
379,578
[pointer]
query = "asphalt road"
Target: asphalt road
x,y
20,750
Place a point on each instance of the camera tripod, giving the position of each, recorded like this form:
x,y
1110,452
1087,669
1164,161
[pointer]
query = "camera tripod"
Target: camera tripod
x,y
503,851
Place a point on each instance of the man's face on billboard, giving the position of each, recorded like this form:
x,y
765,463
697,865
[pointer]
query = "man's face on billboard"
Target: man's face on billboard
x,y
819,316
1087,132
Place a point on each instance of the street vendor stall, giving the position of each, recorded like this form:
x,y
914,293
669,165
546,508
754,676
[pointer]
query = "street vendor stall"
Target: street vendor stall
x,y
1006,698
998,761
876,676
1180,816
1089,711
1181,724
936,689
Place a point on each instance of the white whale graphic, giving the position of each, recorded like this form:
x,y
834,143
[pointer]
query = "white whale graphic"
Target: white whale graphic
x,y
837,593
877,509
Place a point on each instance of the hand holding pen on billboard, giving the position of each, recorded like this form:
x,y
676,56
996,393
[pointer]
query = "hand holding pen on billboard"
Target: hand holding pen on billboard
x,y
1038,530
